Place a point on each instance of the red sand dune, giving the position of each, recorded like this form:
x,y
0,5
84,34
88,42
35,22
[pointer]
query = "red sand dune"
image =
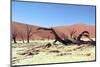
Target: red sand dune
x,y
61,30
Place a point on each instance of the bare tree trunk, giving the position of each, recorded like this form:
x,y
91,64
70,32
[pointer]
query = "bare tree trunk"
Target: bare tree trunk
x,y
66,40
14,39
14,35
21,35
23,41
29,32
28,40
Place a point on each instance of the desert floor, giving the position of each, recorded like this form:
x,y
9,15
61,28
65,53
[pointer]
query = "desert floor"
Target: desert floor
x,y
37,53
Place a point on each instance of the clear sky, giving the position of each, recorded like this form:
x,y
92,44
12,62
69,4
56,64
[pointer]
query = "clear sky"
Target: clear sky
x,y
48,15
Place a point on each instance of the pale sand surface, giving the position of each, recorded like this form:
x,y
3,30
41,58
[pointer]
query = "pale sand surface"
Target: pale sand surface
x,y
37,53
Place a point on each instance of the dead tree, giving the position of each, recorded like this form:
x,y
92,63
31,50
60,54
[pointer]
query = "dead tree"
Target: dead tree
x,y
72,40
91,42
14,35
28,32
21,34
57,38
72,37
72,34
84,33
78,40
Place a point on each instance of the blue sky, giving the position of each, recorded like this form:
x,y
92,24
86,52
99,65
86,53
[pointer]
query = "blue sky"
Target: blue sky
x,y
48,15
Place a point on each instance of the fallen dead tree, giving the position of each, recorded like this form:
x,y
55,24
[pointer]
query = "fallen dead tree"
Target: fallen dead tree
x,y
74,40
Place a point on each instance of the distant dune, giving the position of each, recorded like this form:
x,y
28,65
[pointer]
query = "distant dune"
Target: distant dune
x,y
61,30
